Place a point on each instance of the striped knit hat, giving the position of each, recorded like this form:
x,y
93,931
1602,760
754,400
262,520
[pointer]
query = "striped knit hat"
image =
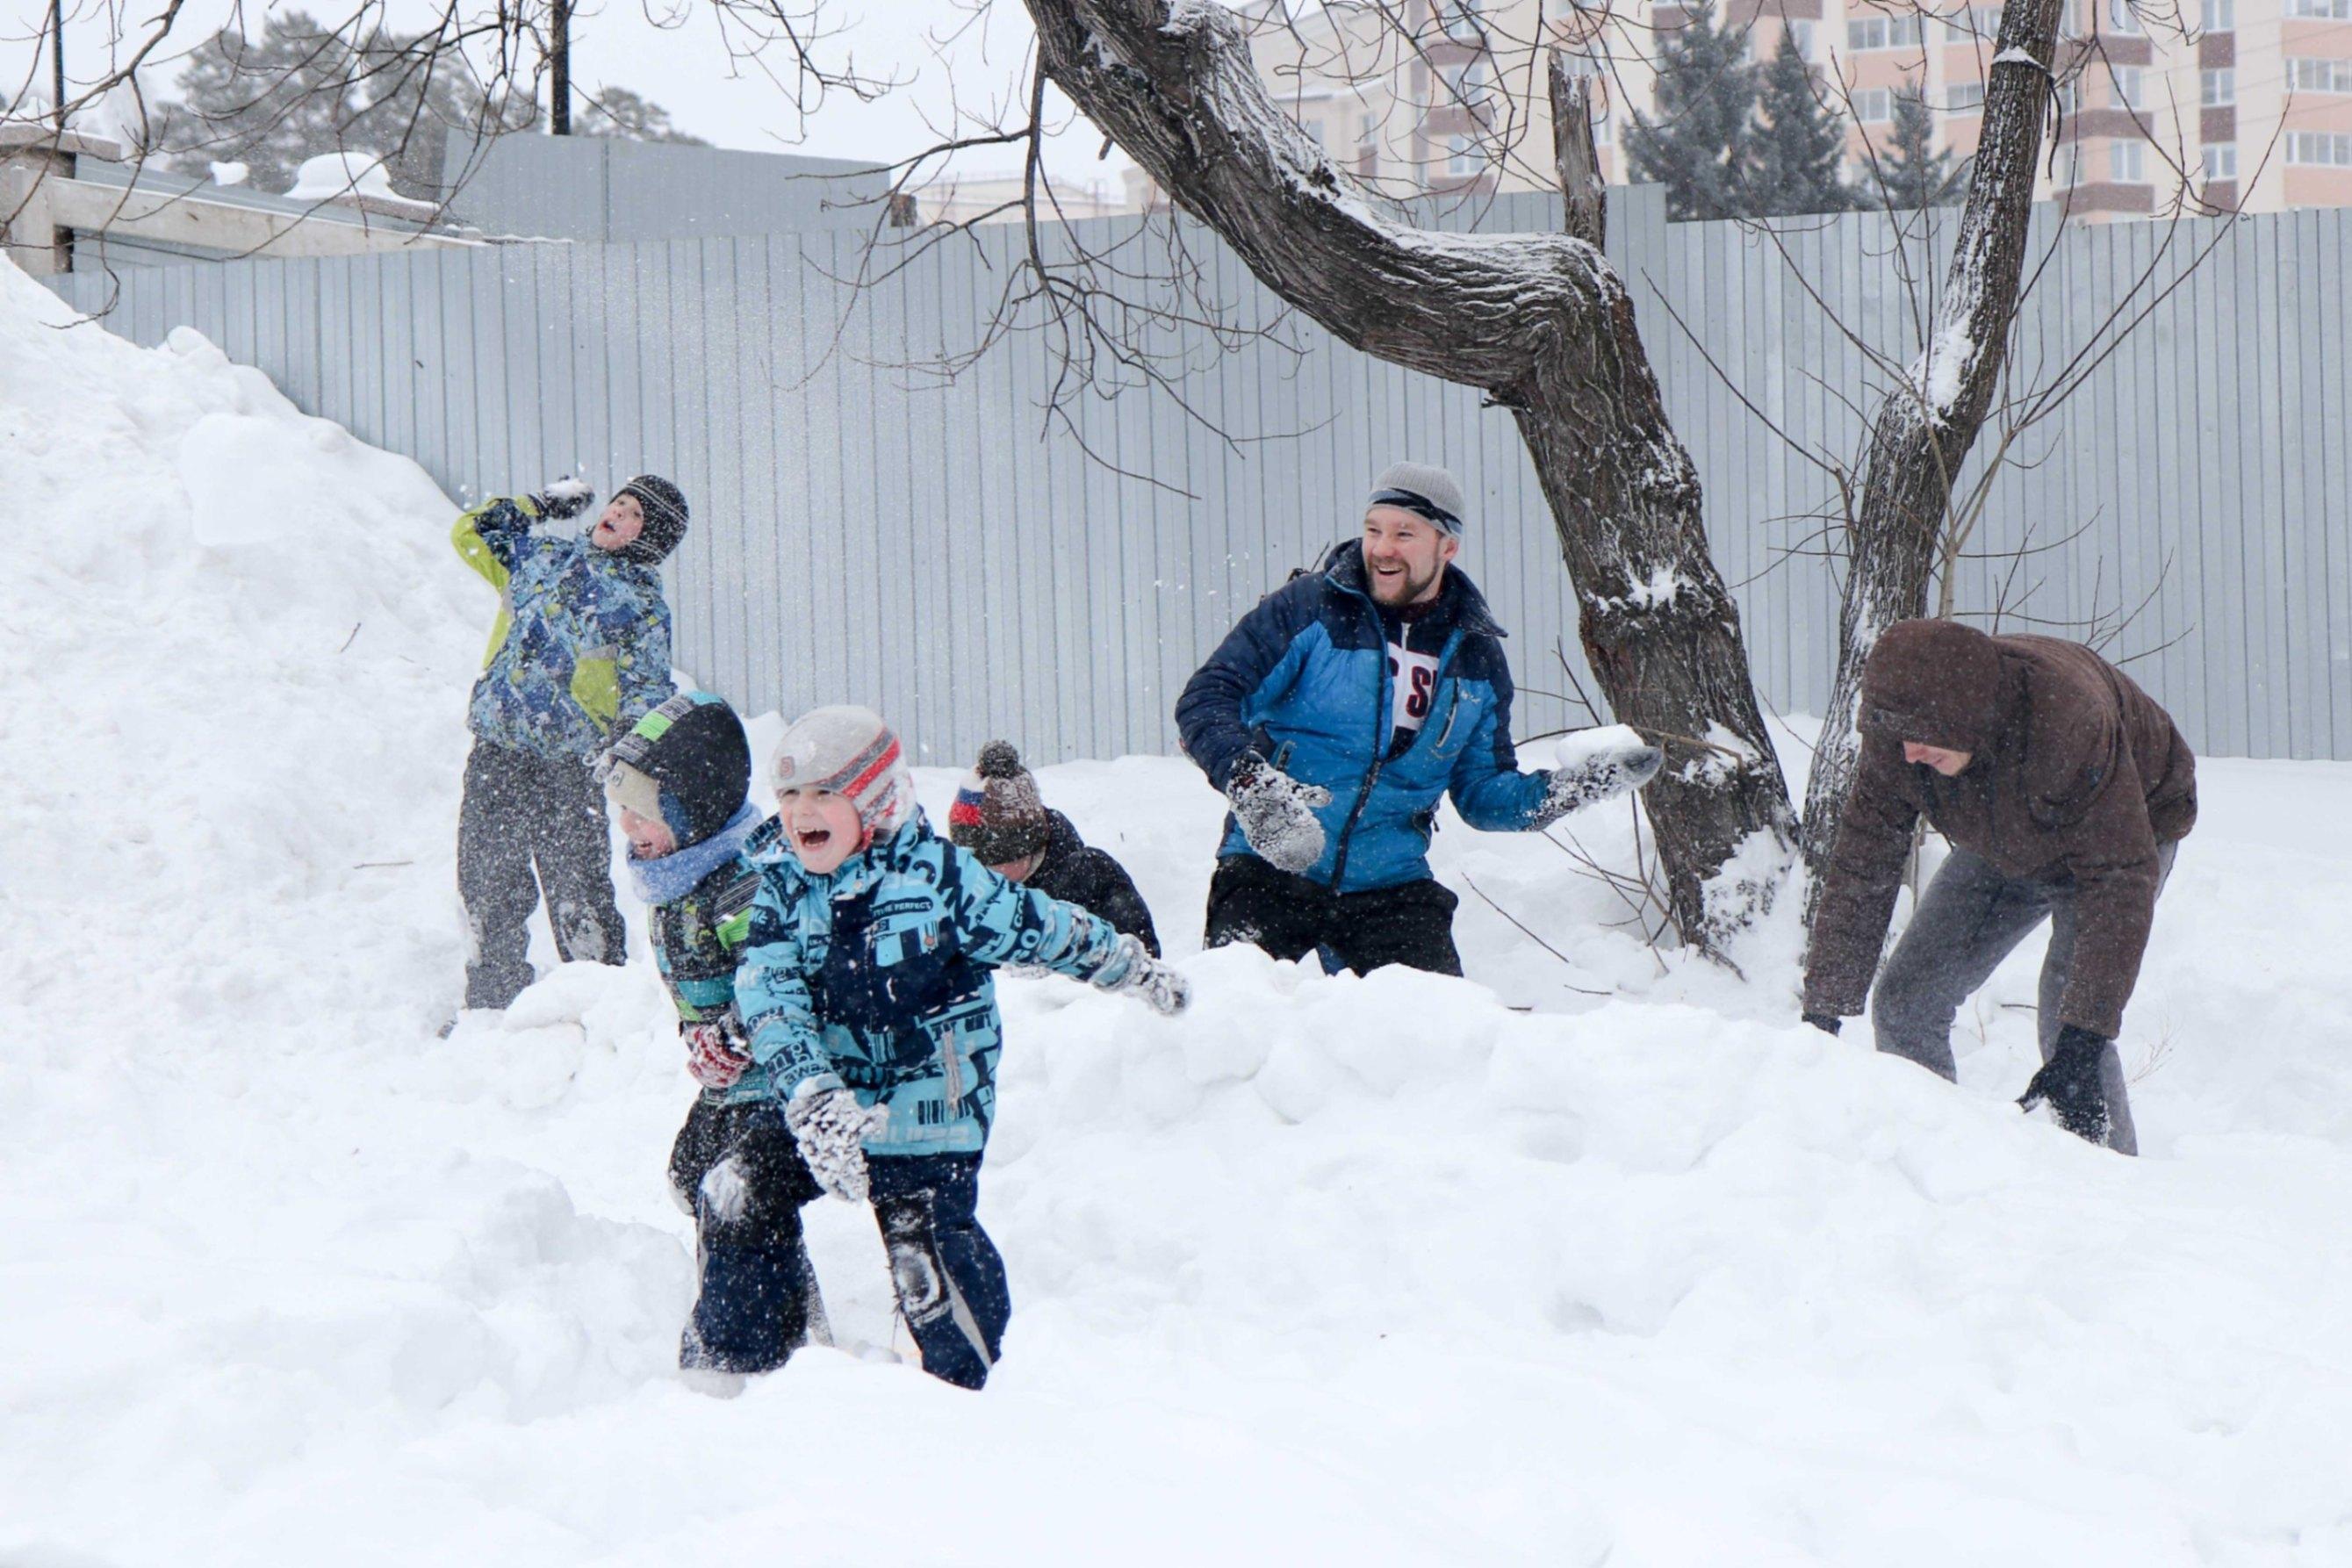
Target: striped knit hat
x,y
997,814
848,752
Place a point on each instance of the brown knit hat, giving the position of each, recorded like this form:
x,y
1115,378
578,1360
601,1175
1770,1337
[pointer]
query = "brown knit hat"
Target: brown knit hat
x,y
1935,682
997,815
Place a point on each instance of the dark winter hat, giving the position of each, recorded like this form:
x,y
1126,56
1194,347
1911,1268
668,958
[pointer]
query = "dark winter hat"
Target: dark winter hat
x,y
1418,487
687,762
664,505
997,814
1935,682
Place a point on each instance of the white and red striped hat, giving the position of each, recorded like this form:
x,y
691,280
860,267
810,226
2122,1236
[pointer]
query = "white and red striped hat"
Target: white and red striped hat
x,y
850,752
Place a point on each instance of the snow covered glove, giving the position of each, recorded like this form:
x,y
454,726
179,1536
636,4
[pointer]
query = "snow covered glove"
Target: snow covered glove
x,y
831,1129
566,498
1604,775
1276,814
2070,1081
1132,969
714,1059
1826,1024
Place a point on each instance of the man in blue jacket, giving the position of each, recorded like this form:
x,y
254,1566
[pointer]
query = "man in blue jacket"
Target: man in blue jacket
x,y
1335,714
580,653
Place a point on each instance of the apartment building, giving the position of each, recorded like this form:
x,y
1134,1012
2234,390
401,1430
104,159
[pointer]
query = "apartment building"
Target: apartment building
x,y
2211,104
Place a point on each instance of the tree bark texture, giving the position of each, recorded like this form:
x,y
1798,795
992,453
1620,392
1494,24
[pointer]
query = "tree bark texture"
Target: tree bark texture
x,y
1576,162
1544,326
1924,430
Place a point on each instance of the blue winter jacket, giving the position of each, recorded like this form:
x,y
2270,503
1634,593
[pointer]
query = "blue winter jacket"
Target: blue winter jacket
x,y
1303,680
879,976
581,650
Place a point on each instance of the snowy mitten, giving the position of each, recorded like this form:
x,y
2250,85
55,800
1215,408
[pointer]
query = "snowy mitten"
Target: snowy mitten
x,y
566,498
2070,1081
1276,814
1133,970
831,1129
715,1060
1604,775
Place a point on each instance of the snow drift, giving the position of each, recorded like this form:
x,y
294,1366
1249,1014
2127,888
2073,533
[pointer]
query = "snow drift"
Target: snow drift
x,y
1382,1269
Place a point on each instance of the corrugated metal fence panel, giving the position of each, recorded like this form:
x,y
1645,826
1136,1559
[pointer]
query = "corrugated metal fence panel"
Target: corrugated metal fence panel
x,y
882,519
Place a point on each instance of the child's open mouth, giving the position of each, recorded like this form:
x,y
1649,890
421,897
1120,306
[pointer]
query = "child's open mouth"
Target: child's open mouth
x,y
813,837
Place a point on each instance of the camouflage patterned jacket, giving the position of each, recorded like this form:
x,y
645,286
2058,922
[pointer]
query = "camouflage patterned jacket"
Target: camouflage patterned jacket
x,y
581,649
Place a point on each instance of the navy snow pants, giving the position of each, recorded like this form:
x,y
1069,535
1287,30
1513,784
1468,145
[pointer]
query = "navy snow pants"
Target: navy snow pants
x,y
738,1169
949,1275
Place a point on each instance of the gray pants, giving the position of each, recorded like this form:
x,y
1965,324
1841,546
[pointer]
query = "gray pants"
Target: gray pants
x,y
1967,923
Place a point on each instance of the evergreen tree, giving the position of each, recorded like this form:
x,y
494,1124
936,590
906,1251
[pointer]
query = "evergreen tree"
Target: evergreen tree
x,y
1796,150
1706,102
1911,173
617,112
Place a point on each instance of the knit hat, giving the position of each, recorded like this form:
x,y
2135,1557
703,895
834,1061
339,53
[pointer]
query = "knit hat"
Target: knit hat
x,y
686,763
997,815
851,752
1418,487
1935,682
664,505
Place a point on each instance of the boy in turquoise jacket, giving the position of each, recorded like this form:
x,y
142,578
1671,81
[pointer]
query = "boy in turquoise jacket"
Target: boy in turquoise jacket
x,y
865,989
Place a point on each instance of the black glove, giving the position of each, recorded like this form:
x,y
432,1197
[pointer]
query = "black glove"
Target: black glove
x,y
566,498
2070,1081
1276,813
1825,1022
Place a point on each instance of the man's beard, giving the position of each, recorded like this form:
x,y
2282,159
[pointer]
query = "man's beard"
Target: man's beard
x,y
1409,588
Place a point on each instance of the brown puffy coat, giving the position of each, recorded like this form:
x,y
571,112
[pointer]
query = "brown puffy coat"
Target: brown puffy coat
x,y
2076,778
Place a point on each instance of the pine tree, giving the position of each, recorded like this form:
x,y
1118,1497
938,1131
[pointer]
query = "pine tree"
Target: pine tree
x,y
1794,164
1911,173
1707,103
616,111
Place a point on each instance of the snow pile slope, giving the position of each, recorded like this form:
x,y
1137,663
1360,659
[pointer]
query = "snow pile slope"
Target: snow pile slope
x,y
1331,1270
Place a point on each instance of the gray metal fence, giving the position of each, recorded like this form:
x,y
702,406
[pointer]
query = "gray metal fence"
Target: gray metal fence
x,y
864,533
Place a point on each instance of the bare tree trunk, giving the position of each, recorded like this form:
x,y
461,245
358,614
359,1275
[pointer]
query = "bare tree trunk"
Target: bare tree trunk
x,y
1545,327
1575,160
1924,430
558,66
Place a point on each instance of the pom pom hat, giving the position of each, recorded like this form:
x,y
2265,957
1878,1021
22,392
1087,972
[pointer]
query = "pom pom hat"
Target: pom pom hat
x,y
848,752
997,814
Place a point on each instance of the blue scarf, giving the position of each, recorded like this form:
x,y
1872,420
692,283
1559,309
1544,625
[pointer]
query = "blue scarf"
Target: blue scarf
x,y
674,874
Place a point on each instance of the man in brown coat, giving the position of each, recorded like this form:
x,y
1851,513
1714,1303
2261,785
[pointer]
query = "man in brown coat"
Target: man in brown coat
x,y
2065,791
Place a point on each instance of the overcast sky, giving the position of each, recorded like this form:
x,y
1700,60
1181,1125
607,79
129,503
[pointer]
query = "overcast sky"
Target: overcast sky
x,y
681,63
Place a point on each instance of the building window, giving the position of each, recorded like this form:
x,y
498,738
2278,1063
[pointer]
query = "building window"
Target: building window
x,y
1314,128
2125,80
1964,98
2068,170
1466,84
1873,104
2221,16
2127,162
1462,20
1978,22
2325,149
2305,75
2217,89
2327,10
1879,31
1461,155
1801,35
2221,161
2124,18
1600,131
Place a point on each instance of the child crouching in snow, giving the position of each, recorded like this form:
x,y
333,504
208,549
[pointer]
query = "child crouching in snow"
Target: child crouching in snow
x,y
678,782
866,988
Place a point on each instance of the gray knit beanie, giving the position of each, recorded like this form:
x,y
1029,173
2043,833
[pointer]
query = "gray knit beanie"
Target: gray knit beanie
x,y
1420,486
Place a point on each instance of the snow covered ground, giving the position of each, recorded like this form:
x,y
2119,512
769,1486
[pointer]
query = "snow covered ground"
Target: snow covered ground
x,y
1380,1270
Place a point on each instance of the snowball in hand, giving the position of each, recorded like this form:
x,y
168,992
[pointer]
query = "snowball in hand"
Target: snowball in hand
x,y
1578,747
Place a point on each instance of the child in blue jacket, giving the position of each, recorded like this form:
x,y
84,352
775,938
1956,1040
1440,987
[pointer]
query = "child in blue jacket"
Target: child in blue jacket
x,y
579,653
680,782
866,988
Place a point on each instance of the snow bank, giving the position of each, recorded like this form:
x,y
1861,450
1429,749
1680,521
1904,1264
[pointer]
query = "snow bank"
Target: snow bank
x,y
1331,1270
332,174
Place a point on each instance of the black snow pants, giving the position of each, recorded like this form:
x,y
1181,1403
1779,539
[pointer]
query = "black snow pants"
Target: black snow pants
x,y
949,1275
1968,921
523,813
1290,917
737,1170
